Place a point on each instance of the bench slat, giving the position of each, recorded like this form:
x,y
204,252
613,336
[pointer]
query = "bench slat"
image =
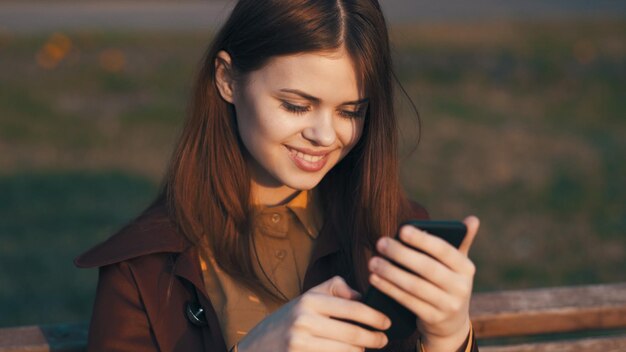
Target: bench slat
x,y
496,314
22,339
602,344
47,338
551,310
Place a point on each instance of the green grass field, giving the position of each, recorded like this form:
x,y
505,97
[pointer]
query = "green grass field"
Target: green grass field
x,y
523,125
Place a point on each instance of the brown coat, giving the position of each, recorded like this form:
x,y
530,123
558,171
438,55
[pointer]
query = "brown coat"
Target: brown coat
x,y
150,274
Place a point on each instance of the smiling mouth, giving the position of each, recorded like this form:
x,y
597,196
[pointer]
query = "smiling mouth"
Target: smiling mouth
x,y
308,162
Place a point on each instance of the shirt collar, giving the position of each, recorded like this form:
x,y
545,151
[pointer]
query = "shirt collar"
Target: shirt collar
x,y
306,207
272,219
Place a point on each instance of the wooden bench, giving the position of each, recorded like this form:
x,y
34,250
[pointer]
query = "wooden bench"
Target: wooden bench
x,y
598,310
505,321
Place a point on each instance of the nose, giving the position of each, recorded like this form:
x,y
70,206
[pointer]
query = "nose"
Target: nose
x,y
321,130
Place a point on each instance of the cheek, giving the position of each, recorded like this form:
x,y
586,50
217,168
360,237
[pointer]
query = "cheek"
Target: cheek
x,y
263,128
251,118
247,128
274,127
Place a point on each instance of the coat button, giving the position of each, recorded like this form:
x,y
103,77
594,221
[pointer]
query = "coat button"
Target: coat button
x,y
275,218
195,314
280,254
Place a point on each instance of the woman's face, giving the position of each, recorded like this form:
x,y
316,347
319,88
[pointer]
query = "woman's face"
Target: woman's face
x,y
298,116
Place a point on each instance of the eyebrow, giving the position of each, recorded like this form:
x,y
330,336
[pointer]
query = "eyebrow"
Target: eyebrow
x,y
317,100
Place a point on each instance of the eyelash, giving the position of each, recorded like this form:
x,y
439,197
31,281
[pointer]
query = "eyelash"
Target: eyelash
x,y
296,109
299,110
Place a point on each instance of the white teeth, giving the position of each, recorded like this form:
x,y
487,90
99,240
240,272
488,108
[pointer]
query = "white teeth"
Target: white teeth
x,y
307,157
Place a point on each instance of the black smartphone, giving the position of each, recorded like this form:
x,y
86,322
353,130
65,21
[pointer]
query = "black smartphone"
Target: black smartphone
x,y
403,321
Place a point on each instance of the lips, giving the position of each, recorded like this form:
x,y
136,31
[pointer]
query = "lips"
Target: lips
x,y
308,160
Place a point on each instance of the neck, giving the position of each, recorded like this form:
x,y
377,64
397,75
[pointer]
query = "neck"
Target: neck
x,y
270,196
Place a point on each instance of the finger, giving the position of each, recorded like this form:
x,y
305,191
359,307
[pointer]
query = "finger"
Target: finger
x,y
336,286
434,266
472,223
421,308
337,307
434,246
351,334
410,283
443,265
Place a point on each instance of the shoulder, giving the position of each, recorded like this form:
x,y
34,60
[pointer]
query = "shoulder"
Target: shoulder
x,y
151,232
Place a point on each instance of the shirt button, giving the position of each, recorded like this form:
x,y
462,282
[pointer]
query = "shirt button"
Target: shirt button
x,y
280,254
275,218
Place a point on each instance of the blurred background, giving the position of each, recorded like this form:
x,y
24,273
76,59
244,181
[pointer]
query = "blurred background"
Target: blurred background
x,y
522,106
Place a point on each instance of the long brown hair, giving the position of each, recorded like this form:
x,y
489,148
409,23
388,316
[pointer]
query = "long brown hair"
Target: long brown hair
x,y
208,184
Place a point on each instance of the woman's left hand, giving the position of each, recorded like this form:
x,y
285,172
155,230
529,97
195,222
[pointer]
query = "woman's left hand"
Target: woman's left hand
x,y
438,289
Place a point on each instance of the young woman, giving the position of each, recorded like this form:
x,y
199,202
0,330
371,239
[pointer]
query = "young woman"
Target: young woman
x,y
279,202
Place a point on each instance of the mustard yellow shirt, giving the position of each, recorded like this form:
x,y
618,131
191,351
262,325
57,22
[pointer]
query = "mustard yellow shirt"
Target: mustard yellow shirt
x,y
283,239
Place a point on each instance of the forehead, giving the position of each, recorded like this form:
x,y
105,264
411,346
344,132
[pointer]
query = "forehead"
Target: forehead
x,y
329,76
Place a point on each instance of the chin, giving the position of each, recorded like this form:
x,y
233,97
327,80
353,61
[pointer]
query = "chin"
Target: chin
x,y
303,184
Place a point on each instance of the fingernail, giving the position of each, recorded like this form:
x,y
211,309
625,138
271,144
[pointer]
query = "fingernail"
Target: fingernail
x,y
406,234
416,231
382,244
374,263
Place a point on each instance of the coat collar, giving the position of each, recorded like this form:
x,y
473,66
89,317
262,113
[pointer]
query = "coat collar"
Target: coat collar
x,y
152,232
155,232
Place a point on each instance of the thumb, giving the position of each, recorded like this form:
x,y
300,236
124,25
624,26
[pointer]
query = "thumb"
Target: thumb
x,y
336,286
472,223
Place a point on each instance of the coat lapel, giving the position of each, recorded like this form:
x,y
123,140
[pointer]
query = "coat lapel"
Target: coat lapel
x,y
318,270
187,267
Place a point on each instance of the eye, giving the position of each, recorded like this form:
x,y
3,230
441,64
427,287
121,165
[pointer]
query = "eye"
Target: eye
x,y
358,114
296,109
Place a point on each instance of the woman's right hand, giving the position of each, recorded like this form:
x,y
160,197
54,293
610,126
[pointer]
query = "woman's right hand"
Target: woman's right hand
x,y
306,323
